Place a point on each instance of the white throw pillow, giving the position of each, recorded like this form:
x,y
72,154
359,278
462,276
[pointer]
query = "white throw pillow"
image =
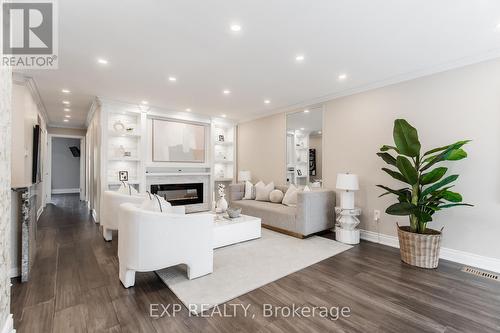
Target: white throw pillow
x,y
307,188
156,204
249,191
127,189
290,198
276,196
263,191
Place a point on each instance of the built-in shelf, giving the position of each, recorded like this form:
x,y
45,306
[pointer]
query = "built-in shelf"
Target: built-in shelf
x,y
223,143
303,176
123,159
223,179
125,134
223,162
152,174
116,182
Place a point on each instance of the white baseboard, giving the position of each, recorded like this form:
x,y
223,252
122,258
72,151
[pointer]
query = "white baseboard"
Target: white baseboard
x,y
94,216
65,190
39,212
8,326
14,272
462,257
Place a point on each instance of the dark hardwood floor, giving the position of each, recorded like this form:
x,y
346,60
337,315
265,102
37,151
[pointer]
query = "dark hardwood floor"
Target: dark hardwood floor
x,y
74,287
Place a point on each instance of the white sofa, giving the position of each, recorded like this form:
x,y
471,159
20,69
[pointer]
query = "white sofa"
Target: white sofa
x,y
151,241
111,201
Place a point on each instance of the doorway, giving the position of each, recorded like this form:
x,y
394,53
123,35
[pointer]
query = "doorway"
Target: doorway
x,y
66,166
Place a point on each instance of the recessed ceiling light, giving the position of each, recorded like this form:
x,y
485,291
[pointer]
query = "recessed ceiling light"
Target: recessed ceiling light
x,y
223,116
188,110
267,101
172,78
302,128
306,111
299,58
144,102
102,61
67,110
67,116
66,91
226,92
65,102
66,120
235,28
342,76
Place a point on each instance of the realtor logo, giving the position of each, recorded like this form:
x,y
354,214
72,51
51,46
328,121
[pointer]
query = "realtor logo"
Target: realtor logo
x,y
29,38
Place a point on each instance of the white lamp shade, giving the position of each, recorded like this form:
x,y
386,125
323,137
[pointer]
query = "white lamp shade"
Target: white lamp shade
x,y
243,176
347,181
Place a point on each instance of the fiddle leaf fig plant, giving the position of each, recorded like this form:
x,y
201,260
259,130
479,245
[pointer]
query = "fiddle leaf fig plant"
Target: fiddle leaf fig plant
x,y
427,190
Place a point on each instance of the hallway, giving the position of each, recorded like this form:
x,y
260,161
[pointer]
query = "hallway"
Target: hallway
x,y
74,287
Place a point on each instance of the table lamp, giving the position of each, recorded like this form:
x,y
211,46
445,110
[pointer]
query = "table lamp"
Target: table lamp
x,y
243,176
348,183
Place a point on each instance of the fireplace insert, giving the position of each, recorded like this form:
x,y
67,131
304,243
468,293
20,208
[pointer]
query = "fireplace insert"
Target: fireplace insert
x,y
180,194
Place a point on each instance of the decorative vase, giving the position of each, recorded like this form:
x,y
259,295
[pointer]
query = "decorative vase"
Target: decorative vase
x,y
222,204
421,250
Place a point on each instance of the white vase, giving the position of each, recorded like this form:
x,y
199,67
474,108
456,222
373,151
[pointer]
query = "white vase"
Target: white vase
x,y
222,204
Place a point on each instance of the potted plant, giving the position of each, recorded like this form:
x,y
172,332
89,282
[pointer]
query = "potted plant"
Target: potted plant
x,y
426,191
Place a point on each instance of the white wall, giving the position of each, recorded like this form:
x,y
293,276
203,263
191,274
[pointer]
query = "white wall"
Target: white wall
x,y
65,167
446,107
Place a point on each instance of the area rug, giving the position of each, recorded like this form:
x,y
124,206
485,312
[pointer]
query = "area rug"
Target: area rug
x,y
243,267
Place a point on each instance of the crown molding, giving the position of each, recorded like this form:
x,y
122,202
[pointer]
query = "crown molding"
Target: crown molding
x,y
67,127
28,81
96,103
458,63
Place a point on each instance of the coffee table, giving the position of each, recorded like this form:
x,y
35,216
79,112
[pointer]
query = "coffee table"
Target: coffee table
x,y
232,231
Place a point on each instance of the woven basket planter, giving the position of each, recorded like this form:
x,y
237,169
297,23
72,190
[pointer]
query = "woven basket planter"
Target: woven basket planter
x,y
421,250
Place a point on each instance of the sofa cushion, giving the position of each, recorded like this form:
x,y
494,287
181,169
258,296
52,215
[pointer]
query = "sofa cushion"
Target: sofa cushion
x,y
272,214
290,198
249,191
276,196
262,191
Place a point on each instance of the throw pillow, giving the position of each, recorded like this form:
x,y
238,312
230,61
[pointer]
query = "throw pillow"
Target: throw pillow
x,y
276,196
290,198
156,204
307,188
249,191
263,191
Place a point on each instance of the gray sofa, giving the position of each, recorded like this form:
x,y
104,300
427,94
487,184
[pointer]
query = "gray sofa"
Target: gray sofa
x,y
315,211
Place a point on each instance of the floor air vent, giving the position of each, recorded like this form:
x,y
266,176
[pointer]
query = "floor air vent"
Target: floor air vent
x,y
478,272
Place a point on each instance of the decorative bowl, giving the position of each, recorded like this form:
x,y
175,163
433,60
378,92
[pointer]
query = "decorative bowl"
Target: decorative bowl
x,y
233,213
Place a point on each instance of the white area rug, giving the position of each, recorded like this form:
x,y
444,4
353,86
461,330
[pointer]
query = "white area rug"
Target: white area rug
x,y
243,267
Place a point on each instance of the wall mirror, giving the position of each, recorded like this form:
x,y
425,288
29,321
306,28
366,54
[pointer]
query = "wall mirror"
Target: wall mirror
x,y
304,147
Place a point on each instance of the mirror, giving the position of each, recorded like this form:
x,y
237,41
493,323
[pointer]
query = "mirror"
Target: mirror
x,y
304,147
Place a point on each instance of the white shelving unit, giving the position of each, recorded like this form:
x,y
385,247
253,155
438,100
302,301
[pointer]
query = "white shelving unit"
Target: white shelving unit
x,y
223,152
298,157
122,144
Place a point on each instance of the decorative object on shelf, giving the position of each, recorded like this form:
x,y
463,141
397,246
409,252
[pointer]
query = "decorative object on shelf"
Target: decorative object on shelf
x,y
233,213
221,156
127,154
425,192
244,176
220,138
129,129
312,162
299,172
119,127
222,202
123,176
347,221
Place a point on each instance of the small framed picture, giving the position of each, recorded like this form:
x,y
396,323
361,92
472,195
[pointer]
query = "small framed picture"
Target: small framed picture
x,y
123,175
221,138
299,172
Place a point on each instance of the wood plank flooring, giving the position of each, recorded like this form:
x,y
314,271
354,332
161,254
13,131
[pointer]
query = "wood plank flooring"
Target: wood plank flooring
x,y
74,287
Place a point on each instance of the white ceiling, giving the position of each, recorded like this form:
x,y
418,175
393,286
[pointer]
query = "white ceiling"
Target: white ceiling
x,y
373,41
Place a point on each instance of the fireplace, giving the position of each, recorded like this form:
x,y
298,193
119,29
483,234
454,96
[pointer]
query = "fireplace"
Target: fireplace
x,y
180,194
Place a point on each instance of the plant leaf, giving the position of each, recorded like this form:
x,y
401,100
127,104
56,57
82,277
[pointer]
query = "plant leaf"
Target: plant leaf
x,y
387,148
388,158
406,138
452,196
401,209
407,170
455,145
423,216
395,175
436,186
433,176
456,154
400,192
455,204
